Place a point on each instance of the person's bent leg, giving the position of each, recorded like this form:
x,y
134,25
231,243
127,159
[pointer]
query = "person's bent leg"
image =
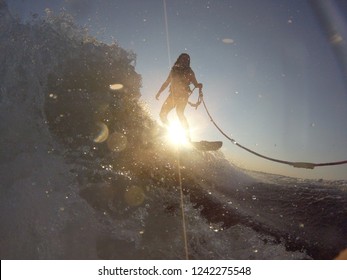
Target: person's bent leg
x,y
183,120
165,110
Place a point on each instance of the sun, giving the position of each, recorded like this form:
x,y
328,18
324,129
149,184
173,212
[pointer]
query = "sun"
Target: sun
x,y
177,134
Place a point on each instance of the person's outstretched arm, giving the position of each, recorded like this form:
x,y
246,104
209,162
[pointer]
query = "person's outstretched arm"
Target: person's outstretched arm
x,y
164,86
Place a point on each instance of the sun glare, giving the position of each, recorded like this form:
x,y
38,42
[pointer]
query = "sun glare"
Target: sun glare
x,y
177,134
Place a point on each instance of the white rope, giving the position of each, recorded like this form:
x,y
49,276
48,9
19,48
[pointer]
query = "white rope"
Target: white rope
x,y
178,157
182,206
167,33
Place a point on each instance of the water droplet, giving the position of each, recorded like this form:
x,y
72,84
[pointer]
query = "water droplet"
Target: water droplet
x,y
117,142
116,86
53,96
336,39
134,196
228,41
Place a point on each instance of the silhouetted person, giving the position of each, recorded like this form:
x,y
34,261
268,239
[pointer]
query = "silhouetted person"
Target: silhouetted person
x,y
180,78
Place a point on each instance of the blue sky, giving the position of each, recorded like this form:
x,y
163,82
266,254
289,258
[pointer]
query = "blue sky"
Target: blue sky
x,y
271,77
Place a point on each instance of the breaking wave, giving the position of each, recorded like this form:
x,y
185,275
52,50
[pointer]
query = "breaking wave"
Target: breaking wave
x,y
86,173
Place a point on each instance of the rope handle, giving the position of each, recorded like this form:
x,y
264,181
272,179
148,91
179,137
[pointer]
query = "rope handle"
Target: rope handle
x,y
196,105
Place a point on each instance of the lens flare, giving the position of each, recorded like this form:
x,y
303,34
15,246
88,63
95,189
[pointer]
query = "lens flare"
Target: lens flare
x,y
117,142
228,41
116,86
102,134
134,196
177,134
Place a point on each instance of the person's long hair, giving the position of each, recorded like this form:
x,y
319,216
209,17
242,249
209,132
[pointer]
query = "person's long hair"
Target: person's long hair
x,y
180,72
183,61
181,66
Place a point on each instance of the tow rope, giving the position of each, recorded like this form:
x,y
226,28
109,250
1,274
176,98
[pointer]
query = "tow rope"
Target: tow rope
x,y
196,105
297,164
